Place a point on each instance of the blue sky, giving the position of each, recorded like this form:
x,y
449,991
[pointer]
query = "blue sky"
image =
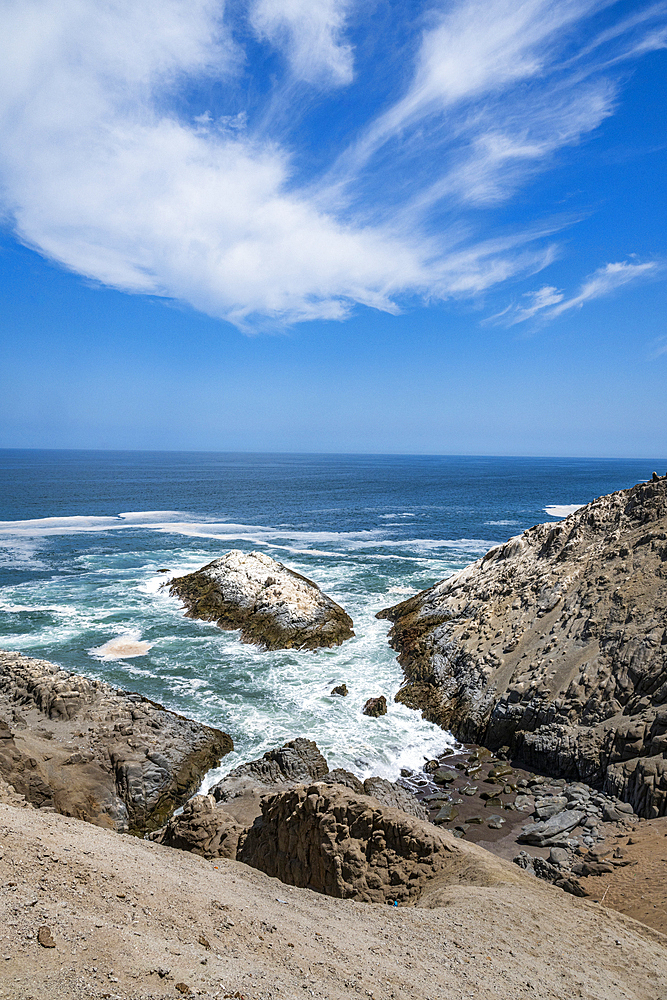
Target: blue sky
x,y
334,225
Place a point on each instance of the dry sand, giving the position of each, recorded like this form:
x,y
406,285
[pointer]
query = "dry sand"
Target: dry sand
x,y
131,919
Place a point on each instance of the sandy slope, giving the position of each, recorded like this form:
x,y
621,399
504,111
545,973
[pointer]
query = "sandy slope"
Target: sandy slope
x,y
121,909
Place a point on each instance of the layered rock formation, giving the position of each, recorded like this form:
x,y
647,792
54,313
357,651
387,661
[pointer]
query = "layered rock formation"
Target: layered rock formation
x,y
215,825
555,646
85,749
327,838
273,606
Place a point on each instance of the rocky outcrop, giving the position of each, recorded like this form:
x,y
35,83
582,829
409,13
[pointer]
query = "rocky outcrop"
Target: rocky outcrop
x,y
213,825
273,606
554,645
86,749
329,839
297,760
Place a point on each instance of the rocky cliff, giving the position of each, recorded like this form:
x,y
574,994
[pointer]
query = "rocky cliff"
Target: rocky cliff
x,y
272,605
555,646
215,825
85,749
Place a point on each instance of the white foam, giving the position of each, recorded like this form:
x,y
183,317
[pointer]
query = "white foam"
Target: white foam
x,y
123,647
562,509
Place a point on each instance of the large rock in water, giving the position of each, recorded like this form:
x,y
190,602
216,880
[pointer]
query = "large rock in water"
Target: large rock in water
x,y
272,606
555,644
88,750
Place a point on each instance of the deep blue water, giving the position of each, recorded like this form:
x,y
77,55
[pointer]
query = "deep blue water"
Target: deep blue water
x,y
370,530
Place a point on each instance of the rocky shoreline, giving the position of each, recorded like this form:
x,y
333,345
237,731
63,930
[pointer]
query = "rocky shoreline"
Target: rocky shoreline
x,y
83,748
552,648
568,746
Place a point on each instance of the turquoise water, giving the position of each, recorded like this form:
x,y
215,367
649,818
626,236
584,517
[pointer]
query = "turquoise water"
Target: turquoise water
x,y
83,535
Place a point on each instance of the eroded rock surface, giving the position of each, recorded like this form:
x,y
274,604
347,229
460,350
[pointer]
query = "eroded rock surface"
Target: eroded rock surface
x,y
272,605
329,839
554,645
86,749
214,825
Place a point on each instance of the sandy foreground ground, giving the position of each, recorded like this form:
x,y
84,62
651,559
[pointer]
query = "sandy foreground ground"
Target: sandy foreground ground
x,y
133,920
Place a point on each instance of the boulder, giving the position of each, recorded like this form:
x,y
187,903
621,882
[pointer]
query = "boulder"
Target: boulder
x,y
89,750
376,707
272,605
340,689
552,646
551,831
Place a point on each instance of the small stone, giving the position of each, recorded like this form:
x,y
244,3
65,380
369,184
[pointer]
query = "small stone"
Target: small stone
x,y
182,988
376,707
446,814
45,937
495,822
559,856
204,943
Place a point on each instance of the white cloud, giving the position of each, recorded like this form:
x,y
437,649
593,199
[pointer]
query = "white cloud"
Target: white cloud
x,y
604,281
548,302
102,169
310,32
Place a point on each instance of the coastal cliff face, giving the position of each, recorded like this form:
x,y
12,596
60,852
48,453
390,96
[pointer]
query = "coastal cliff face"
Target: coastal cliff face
x,y
555,646
85,749
272,605
216,825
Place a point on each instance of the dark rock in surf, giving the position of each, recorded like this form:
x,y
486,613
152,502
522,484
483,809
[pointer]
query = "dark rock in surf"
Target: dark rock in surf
x,y
376,707
340,689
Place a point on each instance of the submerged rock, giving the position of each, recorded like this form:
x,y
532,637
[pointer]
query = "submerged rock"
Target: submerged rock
x,y
553,647
91,751
272,605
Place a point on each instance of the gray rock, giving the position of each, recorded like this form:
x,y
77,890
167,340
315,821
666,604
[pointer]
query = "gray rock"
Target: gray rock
x,y
136,762
545,808
551,645
552,831
559,856
272,605
296,761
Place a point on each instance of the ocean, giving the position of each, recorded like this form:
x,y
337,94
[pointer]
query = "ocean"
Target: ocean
x,y
83,535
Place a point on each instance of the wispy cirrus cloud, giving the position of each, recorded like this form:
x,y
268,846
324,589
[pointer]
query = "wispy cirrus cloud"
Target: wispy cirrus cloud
x,y
548,302
312,36
112,165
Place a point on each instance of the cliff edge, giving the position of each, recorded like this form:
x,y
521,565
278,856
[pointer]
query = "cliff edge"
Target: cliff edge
x,y
554,645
